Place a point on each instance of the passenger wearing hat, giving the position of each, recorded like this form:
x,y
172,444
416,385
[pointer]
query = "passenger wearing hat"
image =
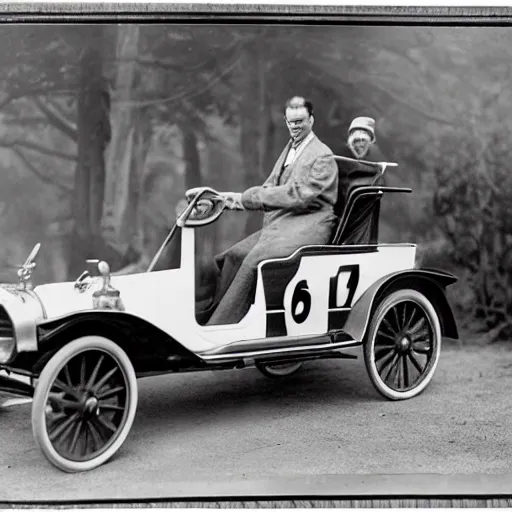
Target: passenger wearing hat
x,y
360,145
361,135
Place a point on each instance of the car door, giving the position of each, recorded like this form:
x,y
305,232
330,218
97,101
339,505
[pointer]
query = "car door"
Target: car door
x,y
312,291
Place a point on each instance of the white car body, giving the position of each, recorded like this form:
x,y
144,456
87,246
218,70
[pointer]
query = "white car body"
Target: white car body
x,y
166,298
86,342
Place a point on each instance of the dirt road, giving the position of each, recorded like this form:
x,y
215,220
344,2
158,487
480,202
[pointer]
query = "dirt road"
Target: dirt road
x,y
238,430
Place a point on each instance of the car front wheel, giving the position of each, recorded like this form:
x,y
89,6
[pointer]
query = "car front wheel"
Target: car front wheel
x,y
84,404
403,344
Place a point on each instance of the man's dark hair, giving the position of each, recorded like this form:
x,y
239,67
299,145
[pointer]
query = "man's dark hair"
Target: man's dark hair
x,y
299,102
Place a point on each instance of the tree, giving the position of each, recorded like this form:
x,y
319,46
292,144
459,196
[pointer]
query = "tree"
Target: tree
x,y
121,219
52,79
255,114
94,133
472,199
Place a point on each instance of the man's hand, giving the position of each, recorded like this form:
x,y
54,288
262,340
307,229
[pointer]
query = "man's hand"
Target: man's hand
x,y
233,200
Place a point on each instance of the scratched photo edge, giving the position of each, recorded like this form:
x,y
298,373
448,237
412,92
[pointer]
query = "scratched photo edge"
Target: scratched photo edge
x,y
112,12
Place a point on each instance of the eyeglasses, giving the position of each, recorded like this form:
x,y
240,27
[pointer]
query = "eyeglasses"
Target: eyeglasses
x,y
296,122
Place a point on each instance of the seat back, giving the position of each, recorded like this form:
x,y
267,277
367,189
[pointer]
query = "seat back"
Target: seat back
x,y
351,175
359,223
361,186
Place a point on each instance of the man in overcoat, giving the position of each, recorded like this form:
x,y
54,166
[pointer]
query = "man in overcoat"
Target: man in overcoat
x,y
297,198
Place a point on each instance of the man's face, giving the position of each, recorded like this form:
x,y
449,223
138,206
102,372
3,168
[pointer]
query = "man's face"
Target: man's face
x,y
299,122
359,141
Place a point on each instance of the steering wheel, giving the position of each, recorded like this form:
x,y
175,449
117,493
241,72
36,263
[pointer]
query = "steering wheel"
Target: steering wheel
x,y
203,209
191,192
203,203
212,195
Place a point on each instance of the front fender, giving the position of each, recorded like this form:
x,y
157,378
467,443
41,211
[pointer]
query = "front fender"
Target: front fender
x,y
148,347
432,283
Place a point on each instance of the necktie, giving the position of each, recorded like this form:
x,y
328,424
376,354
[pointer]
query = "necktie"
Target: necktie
x,y
289,157
295,143
291,152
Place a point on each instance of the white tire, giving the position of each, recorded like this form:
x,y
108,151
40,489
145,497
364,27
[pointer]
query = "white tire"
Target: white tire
x,y
84,404
403,344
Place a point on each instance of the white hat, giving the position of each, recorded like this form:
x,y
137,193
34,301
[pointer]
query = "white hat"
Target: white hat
x,y
363,123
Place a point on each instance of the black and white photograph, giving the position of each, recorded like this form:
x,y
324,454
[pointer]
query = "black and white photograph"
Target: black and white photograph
x,y
255,257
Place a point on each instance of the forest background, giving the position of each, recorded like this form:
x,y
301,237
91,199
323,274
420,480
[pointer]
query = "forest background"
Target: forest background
x,y
103,128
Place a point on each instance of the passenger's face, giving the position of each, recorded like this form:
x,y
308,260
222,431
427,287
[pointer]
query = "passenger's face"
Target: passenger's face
x,y
360,142
299,122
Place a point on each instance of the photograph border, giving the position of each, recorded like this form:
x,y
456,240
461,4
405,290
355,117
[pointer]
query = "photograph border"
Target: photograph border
x,y
278,13
345,491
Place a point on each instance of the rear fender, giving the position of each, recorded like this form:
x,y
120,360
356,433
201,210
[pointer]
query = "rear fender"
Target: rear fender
x,y
148,347
431,283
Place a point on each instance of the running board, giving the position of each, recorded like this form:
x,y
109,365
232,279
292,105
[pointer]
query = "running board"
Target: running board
x,y
280,345
286,359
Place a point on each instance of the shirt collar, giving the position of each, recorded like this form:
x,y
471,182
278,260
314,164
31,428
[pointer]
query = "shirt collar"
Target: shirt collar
x,y
304,141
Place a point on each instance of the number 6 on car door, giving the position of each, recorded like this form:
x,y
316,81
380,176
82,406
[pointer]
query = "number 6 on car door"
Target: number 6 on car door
x,y
301,302
305,301
314,294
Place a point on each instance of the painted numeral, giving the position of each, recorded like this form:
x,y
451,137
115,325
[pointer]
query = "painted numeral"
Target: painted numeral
x,y
353,281
301,297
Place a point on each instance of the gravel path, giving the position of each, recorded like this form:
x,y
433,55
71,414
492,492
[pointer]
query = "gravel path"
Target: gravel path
x,y
238,430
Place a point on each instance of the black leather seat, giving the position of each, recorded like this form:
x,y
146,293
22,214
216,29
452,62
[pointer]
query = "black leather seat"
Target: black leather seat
x,y
359,224
351,175
358,202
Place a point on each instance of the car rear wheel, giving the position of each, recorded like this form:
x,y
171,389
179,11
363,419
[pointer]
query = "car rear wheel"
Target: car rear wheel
x,y
277,371
84,404
403,345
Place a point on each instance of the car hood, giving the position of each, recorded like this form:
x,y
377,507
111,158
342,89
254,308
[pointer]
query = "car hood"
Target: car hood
x,y
62,298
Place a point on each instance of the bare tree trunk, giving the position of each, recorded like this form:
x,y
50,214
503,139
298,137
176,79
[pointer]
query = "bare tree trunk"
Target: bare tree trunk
x,y
256,124
122,225
93,136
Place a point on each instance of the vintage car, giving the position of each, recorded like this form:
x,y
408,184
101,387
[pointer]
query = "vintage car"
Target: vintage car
x,y
83,345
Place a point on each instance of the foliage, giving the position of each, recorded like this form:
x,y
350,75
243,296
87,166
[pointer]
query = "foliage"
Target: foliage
x,y
473,198
474,205
207,102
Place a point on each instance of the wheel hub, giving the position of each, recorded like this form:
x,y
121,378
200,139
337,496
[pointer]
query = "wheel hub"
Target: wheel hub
x,y
91,406
403,343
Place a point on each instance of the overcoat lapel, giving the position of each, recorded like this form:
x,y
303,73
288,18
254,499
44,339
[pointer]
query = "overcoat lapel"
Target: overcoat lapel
x,y
276,171
291,168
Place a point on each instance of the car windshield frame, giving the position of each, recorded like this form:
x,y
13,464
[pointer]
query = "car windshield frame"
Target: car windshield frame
x,y
183,220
